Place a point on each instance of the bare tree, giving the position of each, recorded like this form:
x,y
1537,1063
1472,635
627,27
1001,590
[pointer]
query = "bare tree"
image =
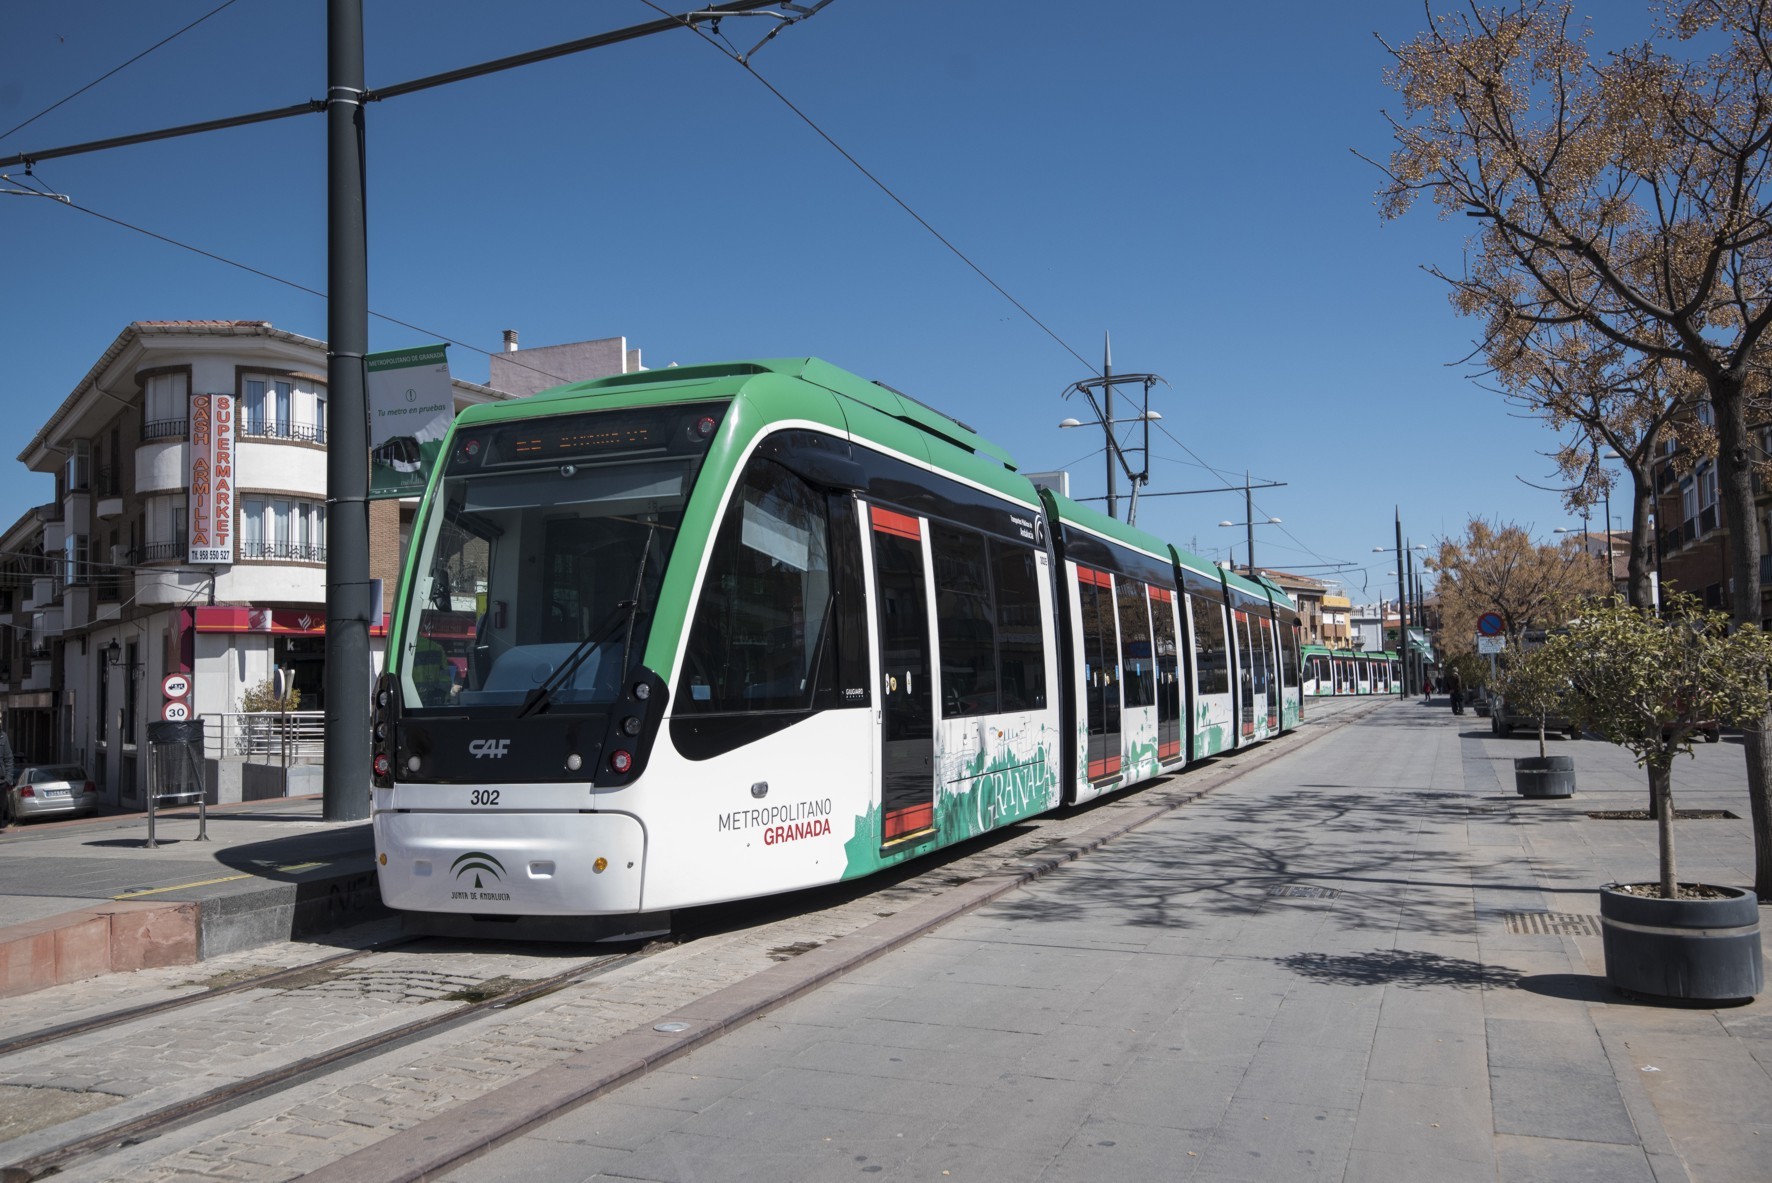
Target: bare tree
x,y
1498,568
1627,194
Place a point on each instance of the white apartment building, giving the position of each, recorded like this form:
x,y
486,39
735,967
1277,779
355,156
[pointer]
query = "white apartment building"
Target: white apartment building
x,y
99,598
103,601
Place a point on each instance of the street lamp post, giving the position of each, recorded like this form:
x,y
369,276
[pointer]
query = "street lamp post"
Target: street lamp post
x,y
1406,583
1249,528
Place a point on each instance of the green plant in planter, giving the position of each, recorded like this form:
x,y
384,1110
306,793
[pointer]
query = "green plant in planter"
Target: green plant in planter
x,y
1535,684
1649,684
263,697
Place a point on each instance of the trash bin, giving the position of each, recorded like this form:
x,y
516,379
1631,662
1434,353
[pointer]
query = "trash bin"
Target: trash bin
x,y
175,771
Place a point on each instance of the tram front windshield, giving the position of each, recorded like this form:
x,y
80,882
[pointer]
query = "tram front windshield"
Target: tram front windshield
x,y
544,548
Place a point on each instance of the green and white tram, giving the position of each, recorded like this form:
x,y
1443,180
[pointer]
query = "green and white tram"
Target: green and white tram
x,y
1328,672
745,628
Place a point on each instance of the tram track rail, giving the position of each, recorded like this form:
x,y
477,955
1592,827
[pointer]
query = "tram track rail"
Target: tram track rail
x,y
147,1010
297,1072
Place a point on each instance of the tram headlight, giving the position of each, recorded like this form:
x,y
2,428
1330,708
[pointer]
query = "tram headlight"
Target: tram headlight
x,y
642,691
631,725
620,760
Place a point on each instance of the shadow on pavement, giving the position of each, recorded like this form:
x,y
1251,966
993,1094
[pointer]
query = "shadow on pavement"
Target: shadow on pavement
x,y
1575,987
1398,967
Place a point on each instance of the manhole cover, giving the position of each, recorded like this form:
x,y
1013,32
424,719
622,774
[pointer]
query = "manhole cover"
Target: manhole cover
x,y
1302,891
1555,924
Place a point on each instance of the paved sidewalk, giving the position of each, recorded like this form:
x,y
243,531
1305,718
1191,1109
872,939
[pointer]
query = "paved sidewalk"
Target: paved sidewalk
x,y
1368,960
85,897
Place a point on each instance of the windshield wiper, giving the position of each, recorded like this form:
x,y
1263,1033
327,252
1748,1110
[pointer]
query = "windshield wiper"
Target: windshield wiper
x,y
537,699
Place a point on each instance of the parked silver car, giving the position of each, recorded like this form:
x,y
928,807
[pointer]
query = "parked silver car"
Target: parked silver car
x,y
49,790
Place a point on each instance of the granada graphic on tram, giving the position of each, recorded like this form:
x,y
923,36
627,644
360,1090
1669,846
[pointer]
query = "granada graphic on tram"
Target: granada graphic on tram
x,y
746,628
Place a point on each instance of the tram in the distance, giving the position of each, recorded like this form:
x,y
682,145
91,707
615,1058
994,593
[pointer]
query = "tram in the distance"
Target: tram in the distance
x,y
740,629
1330,672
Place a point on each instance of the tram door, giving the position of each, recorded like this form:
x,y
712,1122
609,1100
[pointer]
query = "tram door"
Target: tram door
x,y
1101,671
907,720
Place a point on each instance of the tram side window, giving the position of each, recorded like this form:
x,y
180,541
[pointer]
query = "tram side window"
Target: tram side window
x,y
1211,655
1288,655
1021,637
1135,644
965,622
761,638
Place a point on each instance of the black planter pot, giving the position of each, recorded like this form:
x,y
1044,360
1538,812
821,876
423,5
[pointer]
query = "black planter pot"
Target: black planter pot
x,y
1545,776
1686,949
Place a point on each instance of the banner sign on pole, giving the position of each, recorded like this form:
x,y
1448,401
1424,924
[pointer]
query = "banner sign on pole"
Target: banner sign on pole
x,y
411,404
211,479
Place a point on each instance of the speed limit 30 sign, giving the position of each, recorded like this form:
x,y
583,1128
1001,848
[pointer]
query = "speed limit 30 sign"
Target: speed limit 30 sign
x,y
175,711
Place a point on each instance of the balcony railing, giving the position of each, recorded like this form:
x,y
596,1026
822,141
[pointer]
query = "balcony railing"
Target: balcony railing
x,y
310,433
160,552
283,552
1707,519
1671,540
108,588
164,429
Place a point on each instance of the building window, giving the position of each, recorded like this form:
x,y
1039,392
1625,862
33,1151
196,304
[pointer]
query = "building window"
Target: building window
x,y
76,551
282,530
282,408
166,407
79,466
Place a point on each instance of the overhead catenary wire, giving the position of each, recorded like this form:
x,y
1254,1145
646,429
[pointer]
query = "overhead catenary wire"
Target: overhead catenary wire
x,y
116,70
744,63
301,287
318,106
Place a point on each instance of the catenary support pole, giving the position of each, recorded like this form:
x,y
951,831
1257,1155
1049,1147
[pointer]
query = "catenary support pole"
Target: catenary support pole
x,y
346,796
1402,613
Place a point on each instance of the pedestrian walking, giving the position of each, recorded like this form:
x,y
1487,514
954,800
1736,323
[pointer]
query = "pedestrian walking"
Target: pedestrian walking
x,y
1455,690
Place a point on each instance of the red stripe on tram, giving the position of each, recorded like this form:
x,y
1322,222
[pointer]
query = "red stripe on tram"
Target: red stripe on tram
x,y
900,524
900,822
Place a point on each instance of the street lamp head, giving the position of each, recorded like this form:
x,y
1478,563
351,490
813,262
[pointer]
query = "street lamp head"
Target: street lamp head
x,y
1070,423
1227,523
113,652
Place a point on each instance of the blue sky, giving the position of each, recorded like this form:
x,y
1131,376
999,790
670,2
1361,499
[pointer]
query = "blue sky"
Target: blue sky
x,y
1181,175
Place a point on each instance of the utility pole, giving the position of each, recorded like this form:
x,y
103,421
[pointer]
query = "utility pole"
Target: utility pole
x,y
1403,608
1249,521
1116,456
1107,397
348,664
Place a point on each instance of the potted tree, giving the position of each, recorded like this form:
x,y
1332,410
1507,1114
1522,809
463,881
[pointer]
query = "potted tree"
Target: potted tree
x,y
1534,686
1649,685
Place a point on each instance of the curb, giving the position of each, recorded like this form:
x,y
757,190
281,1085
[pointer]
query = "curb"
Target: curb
x,y
106,938
442,1143
116,936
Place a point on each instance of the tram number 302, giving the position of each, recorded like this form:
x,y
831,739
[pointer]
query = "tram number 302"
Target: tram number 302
x,y
483,797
